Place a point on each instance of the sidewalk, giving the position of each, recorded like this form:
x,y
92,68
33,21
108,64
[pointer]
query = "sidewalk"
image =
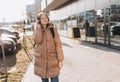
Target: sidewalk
x,y
84,63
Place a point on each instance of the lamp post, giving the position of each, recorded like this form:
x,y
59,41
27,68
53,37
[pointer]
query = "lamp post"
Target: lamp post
x,y
109,19
3,53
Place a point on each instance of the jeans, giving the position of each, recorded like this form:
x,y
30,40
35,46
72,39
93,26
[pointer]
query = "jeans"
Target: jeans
x,y
54,79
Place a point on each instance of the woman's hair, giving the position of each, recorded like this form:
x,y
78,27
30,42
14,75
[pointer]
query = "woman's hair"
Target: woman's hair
x,y
39,17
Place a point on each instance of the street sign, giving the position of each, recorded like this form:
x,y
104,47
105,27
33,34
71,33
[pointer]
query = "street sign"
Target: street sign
x,y
76,32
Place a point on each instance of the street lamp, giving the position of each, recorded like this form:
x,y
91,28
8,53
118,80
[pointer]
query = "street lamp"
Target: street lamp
x,y
3,53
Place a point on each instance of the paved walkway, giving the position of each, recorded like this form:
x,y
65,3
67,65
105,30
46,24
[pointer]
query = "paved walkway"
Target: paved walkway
x,y
84,62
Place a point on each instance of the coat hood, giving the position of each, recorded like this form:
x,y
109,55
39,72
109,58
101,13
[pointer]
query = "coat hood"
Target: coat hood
x,y
48,26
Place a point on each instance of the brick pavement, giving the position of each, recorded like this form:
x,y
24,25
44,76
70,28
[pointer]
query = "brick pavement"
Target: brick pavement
x,y
84,63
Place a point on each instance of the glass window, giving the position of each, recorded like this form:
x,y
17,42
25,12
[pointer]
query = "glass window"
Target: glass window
x,y
115,25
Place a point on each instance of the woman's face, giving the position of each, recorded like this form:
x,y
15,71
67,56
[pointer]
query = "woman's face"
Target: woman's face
x,y
44,19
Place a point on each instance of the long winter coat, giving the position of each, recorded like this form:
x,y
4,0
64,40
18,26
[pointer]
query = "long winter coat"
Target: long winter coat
x,y
47,52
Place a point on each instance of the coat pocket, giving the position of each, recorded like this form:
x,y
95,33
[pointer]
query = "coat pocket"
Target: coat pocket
x,y
37,59
52,54
53,61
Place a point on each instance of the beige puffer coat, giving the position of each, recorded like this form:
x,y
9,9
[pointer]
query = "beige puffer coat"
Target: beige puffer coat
x,y
47,52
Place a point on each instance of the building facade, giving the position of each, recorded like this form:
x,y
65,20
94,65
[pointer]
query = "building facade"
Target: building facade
x,y
37,6
30,13
103,18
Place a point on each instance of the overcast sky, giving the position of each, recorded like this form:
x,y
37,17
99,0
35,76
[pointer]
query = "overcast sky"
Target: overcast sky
x,y
13,10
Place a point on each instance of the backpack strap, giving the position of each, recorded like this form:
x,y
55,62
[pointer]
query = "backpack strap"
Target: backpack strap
x,y
52,32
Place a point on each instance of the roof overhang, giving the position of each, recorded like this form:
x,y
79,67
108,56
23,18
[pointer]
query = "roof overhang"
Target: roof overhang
x,y
54,4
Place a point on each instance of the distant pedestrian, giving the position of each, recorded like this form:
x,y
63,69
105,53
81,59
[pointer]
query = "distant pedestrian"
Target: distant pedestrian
x,y
48,54
86,26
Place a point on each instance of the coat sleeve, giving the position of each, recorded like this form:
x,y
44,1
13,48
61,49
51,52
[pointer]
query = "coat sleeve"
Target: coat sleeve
x,y
37,34
58,46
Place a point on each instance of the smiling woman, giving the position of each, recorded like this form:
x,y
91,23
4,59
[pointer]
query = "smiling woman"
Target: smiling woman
x,y
13,10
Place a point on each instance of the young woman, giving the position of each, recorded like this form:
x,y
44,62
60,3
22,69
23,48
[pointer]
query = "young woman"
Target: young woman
x,y
48,54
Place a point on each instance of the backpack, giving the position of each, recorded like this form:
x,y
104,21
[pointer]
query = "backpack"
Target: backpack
x,y
52,32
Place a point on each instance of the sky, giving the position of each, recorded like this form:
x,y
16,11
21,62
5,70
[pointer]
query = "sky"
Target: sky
x,y
13,10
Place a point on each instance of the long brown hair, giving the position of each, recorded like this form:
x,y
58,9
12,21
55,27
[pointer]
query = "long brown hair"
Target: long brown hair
x,y
39,17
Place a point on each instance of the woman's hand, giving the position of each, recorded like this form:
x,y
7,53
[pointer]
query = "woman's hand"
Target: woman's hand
x,y
37,25
38,21
60,64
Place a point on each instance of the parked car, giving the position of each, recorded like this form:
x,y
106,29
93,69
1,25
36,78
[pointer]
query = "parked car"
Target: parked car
x,y
115,29
28,27
104,27
15,26
8,45
10,36
8,30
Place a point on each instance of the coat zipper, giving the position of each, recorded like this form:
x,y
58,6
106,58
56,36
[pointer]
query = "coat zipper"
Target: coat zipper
x,y
46,58
45,61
